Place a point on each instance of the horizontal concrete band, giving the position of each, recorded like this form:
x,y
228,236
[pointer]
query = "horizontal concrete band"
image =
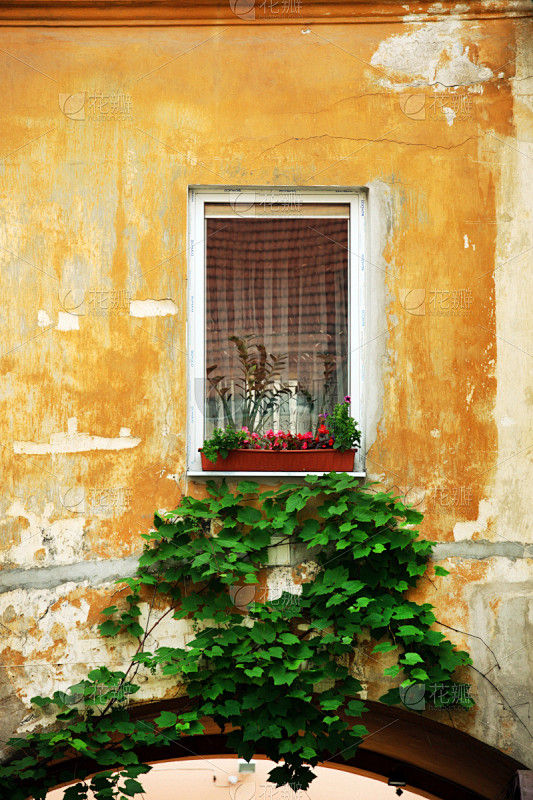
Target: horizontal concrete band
x,y
480,549
100,572
94,572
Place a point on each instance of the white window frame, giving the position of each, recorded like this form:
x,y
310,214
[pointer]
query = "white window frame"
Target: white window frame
x,y
198,197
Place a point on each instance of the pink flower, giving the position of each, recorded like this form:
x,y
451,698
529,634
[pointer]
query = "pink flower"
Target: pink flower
x,y
347,399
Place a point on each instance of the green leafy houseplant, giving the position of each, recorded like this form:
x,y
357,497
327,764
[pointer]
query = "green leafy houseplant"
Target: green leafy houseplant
x,y
222,441
259,391
280,673
343,427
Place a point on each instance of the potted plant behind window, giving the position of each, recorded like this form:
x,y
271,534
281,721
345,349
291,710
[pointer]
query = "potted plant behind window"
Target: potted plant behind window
x,y
331,448
258,392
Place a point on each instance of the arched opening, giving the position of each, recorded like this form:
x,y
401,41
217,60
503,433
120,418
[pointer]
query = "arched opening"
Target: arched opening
x,y
217,778
434,760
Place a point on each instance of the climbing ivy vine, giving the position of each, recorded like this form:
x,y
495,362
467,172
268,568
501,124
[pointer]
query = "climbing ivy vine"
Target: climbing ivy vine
x,y
277,675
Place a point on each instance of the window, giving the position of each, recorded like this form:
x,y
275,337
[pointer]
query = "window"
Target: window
x,y
275,308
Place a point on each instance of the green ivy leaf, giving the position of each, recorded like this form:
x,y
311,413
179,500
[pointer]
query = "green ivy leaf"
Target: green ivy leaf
x,y
412,658
384,647
109,628
167,719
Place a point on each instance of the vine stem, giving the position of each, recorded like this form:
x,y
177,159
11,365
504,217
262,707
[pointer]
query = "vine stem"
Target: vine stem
x,y
506,702
473,635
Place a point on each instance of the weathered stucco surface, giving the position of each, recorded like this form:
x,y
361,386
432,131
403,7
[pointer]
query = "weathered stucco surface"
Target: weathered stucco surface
x,y
434,116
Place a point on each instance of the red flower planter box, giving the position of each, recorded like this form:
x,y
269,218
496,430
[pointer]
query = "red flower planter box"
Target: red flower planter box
x,y
282,461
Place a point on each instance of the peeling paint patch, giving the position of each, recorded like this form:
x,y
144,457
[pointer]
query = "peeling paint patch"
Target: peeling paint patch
x,y
62,540
74,442
153,308
466,530
449,113
432,54
281,580
67,322
43,320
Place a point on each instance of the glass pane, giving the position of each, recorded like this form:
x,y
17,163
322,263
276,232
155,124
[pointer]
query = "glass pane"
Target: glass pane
x,y
276,321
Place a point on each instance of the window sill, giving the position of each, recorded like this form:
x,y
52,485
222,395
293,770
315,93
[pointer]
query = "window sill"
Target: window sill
x,y
217,474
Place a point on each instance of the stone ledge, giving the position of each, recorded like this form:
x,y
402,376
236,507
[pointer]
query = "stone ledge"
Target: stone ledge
x,y
246,12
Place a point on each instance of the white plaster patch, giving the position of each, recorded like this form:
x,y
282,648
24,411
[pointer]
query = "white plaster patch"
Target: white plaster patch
x,y
429,55
74,442
449,113
467,243
153,308
466,530
67,322
435,433
46,615
61,540
279,581
506,422
43,320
